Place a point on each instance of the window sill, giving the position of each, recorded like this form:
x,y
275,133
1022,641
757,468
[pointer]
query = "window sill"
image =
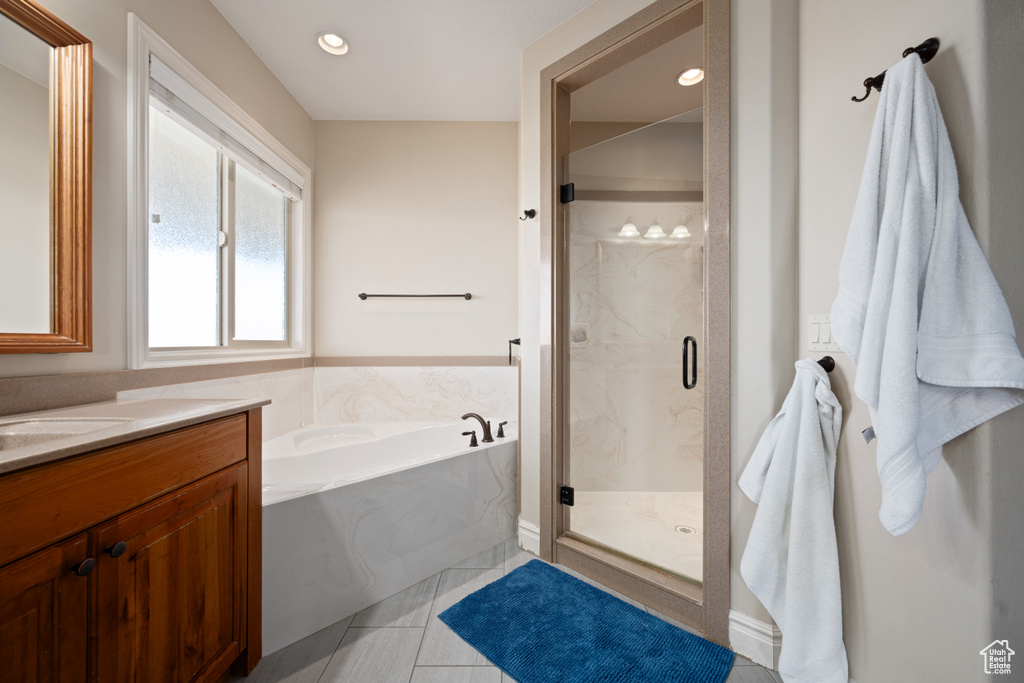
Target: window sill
x,y
168,359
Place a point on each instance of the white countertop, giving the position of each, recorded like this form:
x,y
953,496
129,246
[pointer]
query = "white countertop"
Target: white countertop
x,y
119,421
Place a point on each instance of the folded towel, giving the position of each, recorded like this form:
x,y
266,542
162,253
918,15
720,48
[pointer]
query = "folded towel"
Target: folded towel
x,y
918,308
791,562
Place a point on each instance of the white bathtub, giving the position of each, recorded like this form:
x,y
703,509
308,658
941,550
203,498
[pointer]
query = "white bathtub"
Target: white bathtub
x,y
354,513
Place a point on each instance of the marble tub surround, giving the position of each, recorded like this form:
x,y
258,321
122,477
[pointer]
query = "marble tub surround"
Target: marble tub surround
x,y
633,427
372,394
643,524
330,395
332,553
120,421
289,392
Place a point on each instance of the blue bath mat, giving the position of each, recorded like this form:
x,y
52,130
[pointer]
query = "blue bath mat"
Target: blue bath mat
x,y
540,625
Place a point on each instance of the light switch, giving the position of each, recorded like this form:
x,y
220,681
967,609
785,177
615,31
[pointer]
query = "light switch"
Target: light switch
x,y
820,335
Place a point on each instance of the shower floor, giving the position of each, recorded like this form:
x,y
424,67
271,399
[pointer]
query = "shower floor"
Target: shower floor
x,y
643,524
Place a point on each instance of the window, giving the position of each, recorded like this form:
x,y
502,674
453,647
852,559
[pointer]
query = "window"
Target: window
x,y
218,227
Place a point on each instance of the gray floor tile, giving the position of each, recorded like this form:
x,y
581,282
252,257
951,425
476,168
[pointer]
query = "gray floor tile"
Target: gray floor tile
x,y
515,556
381,655
742,661
492,558
301,662
441,647
456,674
749,674
410,607
505,678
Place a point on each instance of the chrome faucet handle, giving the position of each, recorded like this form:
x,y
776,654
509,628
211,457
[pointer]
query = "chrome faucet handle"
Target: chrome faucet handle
x,y
472,439
501,429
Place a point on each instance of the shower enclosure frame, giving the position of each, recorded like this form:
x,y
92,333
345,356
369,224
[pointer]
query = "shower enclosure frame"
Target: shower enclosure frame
x,y
704,607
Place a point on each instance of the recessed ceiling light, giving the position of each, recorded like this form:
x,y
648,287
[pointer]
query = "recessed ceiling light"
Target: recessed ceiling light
x,y
333,43
691,76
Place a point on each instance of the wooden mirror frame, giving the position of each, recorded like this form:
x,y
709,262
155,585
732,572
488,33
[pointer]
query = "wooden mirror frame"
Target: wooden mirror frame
x,y
70,185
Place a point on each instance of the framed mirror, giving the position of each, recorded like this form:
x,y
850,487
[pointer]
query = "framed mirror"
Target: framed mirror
x,y
45,182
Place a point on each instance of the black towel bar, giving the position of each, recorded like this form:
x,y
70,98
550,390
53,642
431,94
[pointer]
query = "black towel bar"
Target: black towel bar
x,y
365,296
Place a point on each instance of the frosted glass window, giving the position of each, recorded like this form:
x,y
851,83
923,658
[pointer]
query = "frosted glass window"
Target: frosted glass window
x,y
261,220
184,227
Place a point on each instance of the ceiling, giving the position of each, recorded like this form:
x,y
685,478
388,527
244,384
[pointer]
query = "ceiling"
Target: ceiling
x,y
410,60
645,90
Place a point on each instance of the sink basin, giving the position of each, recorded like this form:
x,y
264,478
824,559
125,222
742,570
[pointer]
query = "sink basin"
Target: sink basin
x,y
27,432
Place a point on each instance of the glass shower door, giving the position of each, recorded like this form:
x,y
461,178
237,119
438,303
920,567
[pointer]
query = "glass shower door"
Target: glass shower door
x,y
636,330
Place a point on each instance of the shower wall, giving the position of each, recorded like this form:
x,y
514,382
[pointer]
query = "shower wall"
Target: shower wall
x,y
633,427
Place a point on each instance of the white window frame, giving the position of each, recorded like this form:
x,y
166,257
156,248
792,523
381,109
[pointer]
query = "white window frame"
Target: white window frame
x,y
143,42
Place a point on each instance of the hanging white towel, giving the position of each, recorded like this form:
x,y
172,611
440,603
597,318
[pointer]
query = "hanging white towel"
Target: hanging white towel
x,y
918,308
791,562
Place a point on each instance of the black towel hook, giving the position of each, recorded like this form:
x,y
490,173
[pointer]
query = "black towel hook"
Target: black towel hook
x,y
925,51
828,362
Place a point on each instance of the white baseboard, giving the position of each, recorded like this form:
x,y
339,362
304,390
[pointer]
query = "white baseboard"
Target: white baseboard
x,y
756,640
529,536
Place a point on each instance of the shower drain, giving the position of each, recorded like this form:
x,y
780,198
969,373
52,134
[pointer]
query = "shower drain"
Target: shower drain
x,y
683,529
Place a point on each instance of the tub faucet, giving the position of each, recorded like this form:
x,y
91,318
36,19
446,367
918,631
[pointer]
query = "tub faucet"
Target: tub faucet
x,y
484,425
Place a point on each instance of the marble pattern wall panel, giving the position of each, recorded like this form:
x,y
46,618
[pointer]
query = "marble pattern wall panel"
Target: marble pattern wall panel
x,y
633,427
330,554
290,392
370,394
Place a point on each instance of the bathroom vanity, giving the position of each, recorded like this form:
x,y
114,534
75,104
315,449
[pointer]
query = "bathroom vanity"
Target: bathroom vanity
x,y
130,542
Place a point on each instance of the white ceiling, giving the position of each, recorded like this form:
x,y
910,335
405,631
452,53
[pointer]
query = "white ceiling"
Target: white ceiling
x,y
410,60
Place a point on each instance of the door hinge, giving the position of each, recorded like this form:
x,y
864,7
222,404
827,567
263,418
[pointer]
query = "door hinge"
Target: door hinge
x,y
566,495
567,193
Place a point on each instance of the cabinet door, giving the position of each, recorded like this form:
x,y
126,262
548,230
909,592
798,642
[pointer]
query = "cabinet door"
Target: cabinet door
x,y
170,604
43,616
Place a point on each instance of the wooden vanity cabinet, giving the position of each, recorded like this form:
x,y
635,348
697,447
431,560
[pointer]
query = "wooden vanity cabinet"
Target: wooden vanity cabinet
x,y
173,592
43,617
169,608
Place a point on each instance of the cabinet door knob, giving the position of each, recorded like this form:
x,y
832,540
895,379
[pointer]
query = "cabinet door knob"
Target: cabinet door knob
x,y
117,550
84,567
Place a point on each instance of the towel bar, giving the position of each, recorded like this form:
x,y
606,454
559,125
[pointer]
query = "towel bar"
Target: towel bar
x,y
466,296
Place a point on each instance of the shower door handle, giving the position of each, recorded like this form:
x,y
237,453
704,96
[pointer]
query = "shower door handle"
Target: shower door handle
x,y
690,368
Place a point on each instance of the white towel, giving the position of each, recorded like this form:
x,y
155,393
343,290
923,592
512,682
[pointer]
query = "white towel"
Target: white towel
x,y
918,309
791,562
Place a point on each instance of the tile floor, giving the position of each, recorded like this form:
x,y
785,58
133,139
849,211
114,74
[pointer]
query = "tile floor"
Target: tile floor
x,y
400,640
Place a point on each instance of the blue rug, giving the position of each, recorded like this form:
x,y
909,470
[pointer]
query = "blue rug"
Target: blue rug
x,y
541,625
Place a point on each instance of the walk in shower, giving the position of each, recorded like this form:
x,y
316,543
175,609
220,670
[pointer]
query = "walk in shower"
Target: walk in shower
x,y
635,265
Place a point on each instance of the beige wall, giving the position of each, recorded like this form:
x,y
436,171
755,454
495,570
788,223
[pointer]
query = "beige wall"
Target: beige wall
x,y
931,590
415,207
197,30
764,242
999,232
25,198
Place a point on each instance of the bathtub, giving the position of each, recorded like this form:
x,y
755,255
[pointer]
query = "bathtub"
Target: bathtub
x,y
354,513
